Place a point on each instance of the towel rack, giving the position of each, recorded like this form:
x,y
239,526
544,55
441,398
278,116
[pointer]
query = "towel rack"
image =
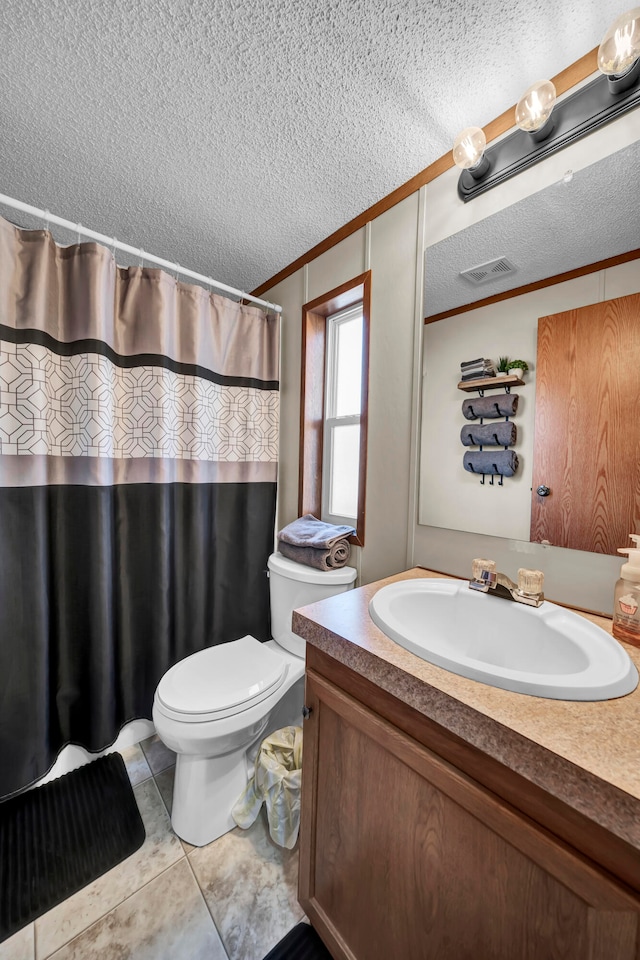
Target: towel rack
x,y
491,383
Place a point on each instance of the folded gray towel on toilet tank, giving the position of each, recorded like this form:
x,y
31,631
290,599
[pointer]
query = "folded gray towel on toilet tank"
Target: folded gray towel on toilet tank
x,y
503,405
503,434
308,531
504,462
330,559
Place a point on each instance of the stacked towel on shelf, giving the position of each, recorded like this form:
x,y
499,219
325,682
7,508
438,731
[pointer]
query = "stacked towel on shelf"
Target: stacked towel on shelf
x,y
315,543
503,434
504,405
477,369
500,462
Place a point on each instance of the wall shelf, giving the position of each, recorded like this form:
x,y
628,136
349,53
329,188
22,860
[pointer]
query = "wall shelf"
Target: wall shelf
x,y
490,383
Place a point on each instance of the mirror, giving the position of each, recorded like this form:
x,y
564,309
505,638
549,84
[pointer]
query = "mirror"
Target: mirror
x,y
587,218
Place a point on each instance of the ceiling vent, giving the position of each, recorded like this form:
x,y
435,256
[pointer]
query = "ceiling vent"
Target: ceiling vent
x,y
492,270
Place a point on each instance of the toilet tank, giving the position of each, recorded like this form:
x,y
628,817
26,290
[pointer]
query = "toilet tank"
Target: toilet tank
x,y
293,585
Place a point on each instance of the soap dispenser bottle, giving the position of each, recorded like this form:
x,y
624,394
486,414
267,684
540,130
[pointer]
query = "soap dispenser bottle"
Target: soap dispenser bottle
x,y
626,598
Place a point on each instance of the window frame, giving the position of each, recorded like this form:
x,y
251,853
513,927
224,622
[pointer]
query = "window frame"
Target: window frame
x,y
312,395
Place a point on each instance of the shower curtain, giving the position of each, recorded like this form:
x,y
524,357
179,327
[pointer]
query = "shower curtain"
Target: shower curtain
x,y
138,457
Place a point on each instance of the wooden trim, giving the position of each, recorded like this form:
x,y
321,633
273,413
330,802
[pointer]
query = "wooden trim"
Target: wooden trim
x,y
348,293
312,398
364,414
311,412
538,285
564,81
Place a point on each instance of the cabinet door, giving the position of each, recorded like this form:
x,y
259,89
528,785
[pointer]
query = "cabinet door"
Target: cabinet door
x,y
403,856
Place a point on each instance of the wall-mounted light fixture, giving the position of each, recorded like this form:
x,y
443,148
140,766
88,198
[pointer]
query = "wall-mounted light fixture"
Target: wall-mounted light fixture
x,y
468,152
619,53
534,110
545,126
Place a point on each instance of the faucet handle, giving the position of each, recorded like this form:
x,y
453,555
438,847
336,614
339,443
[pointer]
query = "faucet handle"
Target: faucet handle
x,y
530,582
483,569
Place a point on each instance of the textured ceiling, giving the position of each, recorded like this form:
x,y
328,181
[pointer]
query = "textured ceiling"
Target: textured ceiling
x,y
568,225
233,135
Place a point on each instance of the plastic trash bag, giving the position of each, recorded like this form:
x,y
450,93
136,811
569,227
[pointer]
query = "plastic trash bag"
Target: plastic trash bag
x,y
276,783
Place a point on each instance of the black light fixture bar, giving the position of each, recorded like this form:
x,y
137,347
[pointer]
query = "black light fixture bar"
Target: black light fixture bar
x,y
584,111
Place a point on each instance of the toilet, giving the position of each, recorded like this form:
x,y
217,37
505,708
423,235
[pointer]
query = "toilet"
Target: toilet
x,y
215,707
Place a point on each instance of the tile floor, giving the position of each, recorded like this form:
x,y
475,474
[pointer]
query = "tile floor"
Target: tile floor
x,y
231,900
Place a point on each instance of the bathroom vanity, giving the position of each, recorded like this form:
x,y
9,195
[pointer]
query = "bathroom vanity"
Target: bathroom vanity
x,y
445,818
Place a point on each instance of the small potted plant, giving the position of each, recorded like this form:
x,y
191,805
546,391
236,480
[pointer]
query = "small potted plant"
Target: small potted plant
x,y
518,368
502,367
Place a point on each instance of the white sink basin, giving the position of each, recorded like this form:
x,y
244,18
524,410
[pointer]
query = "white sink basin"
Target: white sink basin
x,y
544,651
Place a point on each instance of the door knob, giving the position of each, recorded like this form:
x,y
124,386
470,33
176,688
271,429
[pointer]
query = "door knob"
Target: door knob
x,y
543,491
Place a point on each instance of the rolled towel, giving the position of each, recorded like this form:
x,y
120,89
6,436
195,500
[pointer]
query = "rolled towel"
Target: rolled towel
x,y
308,531
330,559
503,405
504,462
502,434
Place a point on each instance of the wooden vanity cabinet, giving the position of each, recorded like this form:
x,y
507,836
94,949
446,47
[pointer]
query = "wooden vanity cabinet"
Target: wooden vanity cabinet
x,y
405,855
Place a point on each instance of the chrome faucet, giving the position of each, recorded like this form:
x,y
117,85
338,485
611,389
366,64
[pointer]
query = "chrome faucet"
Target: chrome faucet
x,y
485,577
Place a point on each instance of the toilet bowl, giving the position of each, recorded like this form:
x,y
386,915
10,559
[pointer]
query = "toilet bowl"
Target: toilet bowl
x,y
215,707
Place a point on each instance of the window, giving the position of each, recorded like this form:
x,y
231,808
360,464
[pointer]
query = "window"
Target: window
x,y
333,418
342,408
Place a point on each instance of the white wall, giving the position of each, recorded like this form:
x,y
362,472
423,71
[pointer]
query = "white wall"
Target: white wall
x,y
394,249
389,248
346,260
289,294
448,495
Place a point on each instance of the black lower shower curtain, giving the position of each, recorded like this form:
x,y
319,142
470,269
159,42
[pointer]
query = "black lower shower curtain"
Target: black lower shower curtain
x,y
138,457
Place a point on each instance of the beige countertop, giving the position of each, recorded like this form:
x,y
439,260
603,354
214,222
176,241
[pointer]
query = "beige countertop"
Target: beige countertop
x,y
585,753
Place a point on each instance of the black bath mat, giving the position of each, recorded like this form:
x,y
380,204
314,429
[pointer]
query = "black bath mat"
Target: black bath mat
x,y
57,838
301,943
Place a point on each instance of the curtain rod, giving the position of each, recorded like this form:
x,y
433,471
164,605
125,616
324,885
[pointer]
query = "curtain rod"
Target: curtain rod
x,y
136,251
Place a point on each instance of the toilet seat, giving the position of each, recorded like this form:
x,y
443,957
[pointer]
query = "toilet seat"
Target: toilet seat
x,y
220,681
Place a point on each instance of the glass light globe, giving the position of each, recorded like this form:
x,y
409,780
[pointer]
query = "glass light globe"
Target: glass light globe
x,y
621,44
468,147
535,106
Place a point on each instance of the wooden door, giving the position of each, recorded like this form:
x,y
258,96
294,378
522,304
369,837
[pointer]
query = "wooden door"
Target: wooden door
x,y
587,427
404,856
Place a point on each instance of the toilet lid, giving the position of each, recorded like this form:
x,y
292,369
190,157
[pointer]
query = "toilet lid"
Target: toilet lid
x,y
227,678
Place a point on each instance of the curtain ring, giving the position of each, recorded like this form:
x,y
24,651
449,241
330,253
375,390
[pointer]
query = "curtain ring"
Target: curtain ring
x,y
78,231
177,271
113,247
140,258
47,215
